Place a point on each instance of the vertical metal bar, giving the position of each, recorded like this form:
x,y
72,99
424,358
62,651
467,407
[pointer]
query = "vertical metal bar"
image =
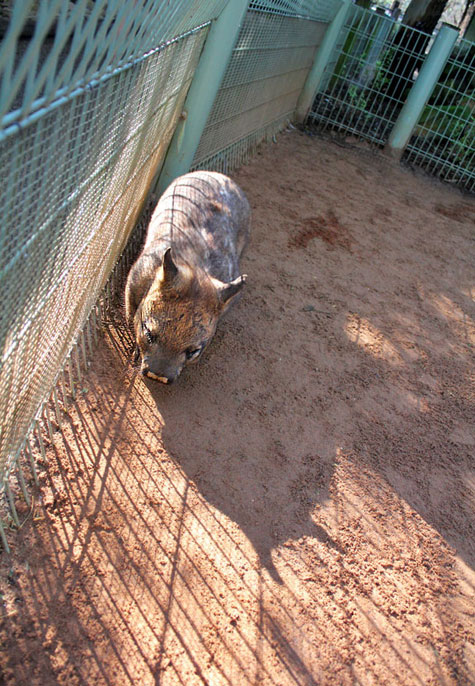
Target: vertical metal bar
x,y
78,364
29,452
11,502
88,333
202,93
420,92
48,422
71,376
83,348
3,537
56,407
63,390
322,58
97,321
40,440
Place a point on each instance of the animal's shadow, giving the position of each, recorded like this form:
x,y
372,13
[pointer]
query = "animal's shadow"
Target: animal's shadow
x,y
244,452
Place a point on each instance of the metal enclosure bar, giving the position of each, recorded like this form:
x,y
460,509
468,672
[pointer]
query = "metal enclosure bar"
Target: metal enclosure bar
x,y
201,95
421,90
322,57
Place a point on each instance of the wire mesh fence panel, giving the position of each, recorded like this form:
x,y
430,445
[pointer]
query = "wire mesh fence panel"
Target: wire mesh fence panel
x,y
444,140
49,48
318,10
76,173
263,81
367,79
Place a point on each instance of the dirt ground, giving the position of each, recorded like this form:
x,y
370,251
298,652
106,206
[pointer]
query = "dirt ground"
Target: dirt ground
x,y
298,508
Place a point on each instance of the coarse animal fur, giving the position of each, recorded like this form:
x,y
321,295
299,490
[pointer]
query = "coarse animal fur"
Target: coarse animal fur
x,y
188,273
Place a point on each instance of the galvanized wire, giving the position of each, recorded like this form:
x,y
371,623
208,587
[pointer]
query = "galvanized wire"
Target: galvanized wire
x,y
444,140
263,81
52,47
318,10
365,85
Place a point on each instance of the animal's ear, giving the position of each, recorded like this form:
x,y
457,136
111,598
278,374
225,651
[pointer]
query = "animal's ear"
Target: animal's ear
x,y
228,291
169,269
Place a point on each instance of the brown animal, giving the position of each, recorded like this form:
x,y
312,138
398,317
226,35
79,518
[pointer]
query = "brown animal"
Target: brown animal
x,y
188,273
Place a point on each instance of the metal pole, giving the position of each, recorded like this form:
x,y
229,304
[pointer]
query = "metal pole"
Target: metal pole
x,y
421,91
322,57
206,82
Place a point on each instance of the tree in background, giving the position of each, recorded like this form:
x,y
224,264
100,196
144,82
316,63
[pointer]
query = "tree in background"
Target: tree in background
x,y
467,22
410,46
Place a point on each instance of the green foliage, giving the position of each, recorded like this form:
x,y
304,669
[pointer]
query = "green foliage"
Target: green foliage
x,y
453,123
450,120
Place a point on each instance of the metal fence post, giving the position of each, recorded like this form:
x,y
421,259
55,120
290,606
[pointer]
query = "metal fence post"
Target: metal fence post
x,y
421,91
201,95
322,57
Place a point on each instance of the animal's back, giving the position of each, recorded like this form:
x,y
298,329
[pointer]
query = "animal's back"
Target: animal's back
x,y
187,275
204,216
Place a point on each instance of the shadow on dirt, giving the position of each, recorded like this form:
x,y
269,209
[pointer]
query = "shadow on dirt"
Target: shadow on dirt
x,y
245,469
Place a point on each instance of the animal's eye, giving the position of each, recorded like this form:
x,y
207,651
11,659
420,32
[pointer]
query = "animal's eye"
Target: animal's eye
x,y
148,334
192,353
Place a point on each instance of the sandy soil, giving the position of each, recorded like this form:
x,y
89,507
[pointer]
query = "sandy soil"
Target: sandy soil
x,y
299,507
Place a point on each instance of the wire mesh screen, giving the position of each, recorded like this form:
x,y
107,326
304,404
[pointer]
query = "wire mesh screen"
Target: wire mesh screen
x,y
265,76
367,80
75,175
444,140
52,47
318,10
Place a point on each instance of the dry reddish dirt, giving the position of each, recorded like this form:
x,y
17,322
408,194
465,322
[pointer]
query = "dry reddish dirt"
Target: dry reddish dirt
x,y
299,507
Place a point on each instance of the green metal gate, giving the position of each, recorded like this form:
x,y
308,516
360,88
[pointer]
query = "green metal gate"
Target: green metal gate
x,y
369,77
363,90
